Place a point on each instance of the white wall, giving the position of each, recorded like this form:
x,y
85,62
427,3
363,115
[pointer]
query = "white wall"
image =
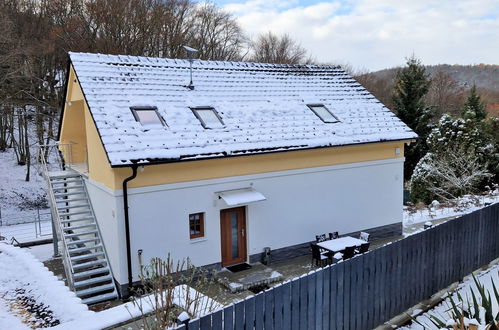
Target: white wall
x,y
299,205
108,210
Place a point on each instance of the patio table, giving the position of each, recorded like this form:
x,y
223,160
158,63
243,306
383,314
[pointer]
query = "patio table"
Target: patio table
x,y
339,244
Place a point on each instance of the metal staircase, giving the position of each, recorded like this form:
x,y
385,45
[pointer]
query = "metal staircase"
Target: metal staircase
x,y
88,271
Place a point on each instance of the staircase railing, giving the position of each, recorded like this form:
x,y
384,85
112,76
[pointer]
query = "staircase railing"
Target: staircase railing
x,y
101,237
66,260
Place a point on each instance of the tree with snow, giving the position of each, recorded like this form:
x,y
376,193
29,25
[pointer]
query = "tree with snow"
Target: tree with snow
x,y
412,84
458,161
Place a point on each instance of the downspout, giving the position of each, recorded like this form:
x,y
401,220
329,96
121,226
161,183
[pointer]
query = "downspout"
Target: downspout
x,y
127,224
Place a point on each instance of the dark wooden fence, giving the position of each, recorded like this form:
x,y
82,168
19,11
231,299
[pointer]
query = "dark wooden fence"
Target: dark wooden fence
x,y
370,289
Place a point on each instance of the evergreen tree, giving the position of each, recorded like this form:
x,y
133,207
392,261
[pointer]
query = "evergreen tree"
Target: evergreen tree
x,y
474,108
412,84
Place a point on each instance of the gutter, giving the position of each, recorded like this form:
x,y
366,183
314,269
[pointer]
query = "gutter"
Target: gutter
x,y
127,224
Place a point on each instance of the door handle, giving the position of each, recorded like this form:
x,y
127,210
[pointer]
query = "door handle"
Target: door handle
x,y
242,232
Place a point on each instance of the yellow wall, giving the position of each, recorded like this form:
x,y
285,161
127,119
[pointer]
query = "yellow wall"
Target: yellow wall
x,y
263,163
101,171
73,122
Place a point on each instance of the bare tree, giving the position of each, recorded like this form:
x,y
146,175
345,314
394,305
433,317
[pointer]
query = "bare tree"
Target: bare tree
x,y
216,34
445,95
381,86
271,48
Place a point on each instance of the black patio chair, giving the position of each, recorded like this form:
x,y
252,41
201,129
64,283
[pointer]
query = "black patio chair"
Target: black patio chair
x,y
363,248
317,256
334,235
320,238
349,252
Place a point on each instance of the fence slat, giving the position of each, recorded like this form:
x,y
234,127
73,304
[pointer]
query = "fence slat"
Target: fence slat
x,y
303,303
194,325
319,290
326,297
205,322
259,311
333,300
311,291
278,307
216,320
249,313
269,309
229,317
295,304
286,305
239,316
340,301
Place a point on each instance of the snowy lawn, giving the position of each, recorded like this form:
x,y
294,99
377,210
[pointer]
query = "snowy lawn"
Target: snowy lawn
x,y
27,232
18,196
442,311
30,295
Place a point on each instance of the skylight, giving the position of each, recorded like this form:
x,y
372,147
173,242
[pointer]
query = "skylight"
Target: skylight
x,y
147,116
208,117
323,113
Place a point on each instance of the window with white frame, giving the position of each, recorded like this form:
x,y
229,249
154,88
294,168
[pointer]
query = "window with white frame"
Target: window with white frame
x,y
208,117
323,113
147,116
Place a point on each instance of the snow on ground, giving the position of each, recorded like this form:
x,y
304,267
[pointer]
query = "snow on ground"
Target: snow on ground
x,y
27,232
107,318
436,210
29,292
42,252
442,310
17,196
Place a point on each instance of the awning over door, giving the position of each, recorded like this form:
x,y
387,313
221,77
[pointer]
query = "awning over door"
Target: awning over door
x,y
241,196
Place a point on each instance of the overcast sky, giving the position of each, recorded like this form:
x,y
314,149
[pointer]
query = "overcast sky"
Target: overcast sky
x,y
377,34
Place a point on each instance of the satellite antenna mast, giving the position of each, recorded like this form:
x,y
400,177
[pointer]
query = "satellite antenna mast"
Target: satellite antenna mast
x,y
190,58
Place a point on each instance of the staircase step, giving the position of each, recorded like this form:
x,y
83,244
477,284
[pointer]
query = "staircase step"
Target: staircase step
x,y
64,181
76,220
79,227
87,256
96,289
67,214
69,187
103,297
80,234
68,194
91,281
65,207
82,241
85,249
63,174
70,200
92,272
90,264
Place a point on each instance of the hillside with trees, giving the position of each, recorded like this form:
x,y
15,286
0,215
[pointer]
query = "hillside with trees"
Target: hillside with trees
x,y
450,84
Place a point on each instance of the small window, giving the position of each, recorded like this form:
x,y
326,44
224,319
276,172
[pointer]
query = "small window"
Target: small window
x,y
323,113
208,117
196,225
147,116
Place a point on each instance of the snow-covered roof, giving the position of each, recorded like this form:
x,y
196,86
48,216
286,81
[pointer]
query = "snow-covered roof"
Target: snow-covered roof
x,y
263,107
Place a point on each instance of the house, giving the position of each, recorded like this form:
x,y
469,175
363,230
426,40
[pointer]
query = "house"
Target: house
x,y
248,156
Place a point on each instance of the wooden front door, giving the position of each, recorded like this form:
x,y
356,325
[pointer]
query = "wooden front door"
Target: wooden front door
x,y
233,235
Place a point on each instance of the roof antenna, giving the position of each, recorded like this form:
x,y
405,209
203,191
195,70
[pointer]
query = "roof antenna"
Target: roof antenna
x,y
190,58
